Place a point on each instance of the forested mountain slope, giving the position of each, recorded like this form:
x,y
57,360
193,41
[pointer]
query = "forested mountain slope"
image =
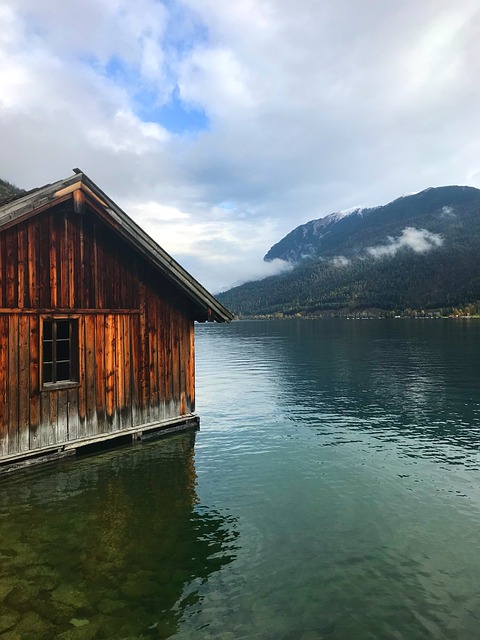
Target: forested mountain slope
x,y
8,191
419,251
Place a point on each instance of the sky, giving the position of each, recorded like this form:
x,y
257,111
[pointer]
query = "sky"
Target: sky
x,y
221,126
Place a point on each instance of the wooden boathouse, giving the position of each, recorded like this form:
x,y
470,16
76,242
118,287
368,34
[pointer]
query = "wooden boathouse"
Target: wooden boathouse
x,y
96,326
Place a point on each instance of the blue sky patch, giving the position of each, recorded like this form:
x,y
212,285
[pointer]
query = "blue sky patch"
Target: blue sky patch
x,y
175,115
114,69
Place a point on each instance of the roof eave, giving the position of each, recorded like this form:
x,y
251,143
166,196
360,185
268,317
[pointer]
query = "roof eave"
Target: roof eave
x,y
160,258
38,200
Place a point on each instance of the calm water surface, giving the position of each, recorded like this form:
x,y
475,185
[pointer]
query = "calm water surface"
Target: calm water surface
x,y
333,493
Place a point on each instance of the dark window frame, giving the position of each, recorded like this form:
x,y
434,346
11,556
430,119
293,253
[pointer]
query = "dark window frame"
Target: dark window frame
x,y
59,348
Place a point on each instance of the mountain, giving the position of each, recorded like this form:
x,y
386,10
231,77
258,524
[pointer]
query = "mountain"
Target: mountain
x,y
420,251
8,191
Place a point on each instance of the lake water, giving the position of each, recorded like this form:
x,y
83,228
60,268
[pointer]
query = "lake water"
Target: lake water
x,y
333,493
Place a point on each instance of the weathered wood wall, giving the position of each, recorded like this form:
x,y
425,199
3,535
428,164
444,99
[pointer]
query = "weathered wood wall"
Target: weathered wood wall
x,y
136,350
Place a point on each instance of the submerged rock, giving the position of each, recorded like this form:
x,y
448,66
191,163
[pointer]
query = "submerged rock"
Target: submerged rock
x,y
32,625
70,597
79,622
6,587
8,619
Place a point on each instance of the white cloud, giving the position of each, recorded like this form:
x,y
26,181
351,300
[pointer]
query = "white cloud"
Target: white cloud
x,y
340,261
208,244
418,240
259,269
153,213
127,133
215,80
448,212
312,107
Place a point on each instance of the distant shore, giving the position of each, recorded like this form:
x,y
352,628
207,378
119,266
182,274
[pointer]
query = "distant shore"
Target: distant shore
x,y
356,316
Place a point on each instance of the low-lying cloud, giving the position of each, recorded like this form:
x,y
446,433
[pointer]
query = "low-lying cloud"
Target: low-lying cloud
x,y
340,261
258,270
418,240
448,212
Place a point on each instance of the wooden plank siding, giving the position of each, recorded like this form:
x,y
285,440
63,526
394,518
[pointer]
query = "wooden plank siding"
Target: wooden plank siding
x,y
4,397
135,333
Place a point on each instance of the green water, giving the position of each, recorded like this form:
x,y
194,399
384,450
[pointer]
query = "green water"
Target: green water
x,y
333,493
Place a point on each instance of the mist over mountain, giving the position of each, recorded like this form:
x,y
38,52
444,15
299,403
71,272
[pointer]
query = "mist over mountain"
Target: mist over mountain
x,y
419,251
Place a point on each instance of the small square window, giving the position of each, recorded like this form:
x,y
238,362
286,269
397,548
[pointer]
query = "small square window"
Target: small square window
x,y
59,350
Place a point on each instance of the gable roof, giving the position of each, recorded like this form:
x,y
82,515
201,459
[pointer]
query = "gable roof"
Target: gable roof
x,y
84,191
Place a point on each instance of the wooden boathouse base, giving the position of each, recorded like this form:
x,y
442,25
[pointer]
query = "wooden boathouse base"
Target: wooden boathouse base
x,y
102,442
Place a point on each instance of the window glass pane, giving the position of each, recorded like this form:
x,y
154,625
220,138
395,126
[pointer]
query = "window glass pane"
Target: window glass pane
x,y
47,351
47,329
63,371
63,350
63,329
47,372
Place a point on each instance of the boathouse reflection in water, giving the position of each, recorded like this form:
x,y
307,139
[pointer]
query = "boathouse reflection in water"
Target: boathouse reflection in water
x,y
111,541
